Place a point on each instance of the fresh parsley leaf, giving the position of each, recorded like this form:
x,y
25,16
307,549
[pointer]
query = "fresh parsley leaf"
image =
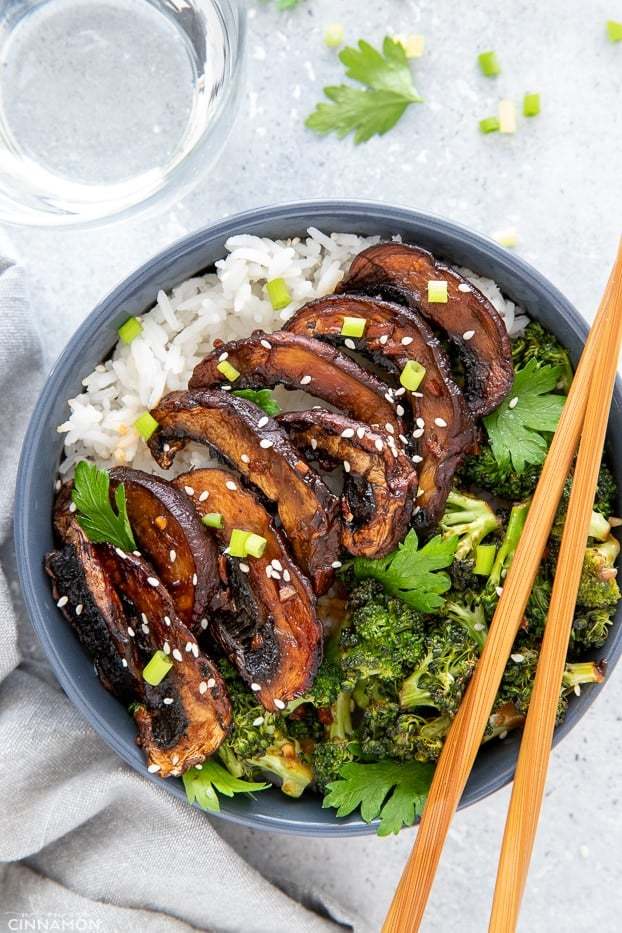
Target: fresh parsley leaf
x,y
516,430
412,573
95,514
204,785
389,91
393,791
263,398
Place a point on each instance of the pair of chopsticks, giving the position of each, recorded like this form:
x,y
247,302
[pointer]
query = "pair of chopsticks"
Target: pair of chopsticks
x,y
584,417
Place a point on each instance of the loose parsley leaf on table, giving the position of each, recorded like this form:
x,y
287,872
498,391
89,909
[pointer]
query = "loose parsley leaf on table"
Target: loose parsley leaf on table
x,y
412,573
516,428
263,398
389,91
204,785
95,514
369,786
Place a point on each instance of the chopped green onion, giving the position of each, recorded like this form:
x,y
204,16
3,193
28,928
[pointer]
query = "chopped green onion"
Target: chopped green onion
x,y
413,44
334,35
278,293
484,559
228,371
212,520
255,545
130,330
507,237
157,668
507,116
531,105
145,424
412,375
353,327
489,125
489,64
437,292
614,31
237,542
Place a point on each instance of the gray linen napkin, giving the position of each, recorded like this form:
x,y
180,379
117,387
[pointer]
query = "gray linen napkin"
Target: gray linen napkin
x,y
85,843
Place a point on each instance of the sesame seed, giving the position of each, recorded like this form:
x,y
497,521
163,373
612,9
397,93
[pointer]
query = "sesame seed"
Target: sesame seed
x,y
195,579
305,380
136,553
167,620
400,410
204,624
417,394
199,767
346,465
350,344
420,492
166,448
416,510
517,658
266,344
188,646
202,687
468,334
153,581
384,339
259,721
211,683
167,701
166,648
420,423
417,433
255,687
378,444
279,704
57,485
403,438
577,689
172,554
360,433
123,662
130,631
336,564
245,458
79,609
394,452
313,444
276,564
440,422
204,495
153,769
72,506
503,735
276,574
62,601
145,629
513,402
390,428
269,571
223,357
583,850
121,553
499,590
347,432
244,568
416,458
225,388
400,391
388,397
231,485
287,576
175,759
263,421
406,341
463,287
189,490
266,443
177,654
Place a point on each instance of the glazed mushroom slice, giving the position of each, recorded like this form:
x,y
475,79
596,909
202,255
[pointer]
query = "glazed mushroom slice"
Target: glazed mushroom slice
x,y
400,271
260,450
170,535
299,362
122,614
380,483
272,634
442,426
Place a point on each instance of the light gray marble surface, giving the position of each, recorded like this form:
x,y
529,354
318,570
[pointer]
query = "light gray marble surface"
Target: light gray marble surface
x,y
559,183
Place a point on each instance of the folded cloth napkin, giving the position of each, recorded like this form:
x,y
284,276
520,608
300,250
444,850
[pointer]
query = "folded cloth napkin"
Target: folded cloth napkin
x,y
85,842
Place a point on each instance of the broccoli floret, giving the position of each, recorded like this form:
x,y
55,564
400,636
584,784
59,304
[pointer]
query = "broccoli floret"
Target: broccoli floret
x,y
283,760
429,741
440,678
599,588
536,343
327,761
482,471
606,492
538,607
374,732
590,628
600,528
469,519
505,555
468,612
327,684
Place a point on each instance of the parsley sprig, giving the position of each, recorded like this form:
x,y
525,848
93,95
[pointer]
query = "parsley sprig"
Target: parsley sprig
x,y
412,573
531,410
95,513
394,791
375,110
203,786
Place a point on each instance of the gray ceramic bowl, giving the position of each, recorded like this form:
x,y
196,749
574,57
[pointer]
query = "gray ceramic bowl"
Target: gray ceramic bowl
x,y
94,340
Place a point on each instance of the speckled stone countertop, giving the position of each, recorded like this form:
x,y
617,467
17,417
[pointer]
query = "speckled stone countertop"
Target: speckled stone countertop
x,y
559,183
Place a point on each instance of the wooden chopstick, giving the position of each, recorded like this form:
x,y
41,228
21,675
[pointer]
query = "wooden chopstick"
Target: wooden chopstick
x,y
465,735
529,780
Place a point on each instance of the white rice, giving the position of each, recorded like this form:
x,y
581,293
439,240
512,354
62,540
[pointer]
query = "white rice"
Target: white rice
x,y
181,327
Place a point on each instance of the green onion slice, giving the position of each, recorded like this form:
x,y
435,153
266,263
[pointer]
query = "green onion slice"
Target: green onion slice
x,y
145,424
484,559
412,375
255,545
157,668
212,520
278,293
531,105
489,64
334,35
228,371
614,31
489,125
437,291
130,330
237,542
353,327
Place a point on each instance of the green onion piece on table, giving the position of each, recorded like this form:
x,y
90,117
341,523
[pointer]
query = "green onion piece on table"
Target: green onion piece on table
x,y
157,668
334,35
145,424
130,330
489,64
278,293
489,125
614,31
531,105
412,375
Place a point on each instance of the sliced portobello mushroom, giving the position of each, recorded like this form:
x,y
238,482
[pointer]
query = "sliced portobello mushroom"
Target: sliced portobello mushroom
x,y
170,535
380,483
260,450
443,428
272,634
402,272
122,614
299,362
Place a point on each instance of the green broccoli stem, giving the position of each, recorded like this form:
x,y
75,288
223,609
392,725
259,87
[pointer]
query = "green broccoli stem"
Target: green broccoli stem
x,y
506,552
583,672
472,620
231,762
411,693
341,725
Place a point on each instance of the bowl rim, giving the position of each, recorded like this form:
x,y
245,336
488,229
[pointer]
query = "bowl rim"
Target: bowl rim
x,y
301,211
